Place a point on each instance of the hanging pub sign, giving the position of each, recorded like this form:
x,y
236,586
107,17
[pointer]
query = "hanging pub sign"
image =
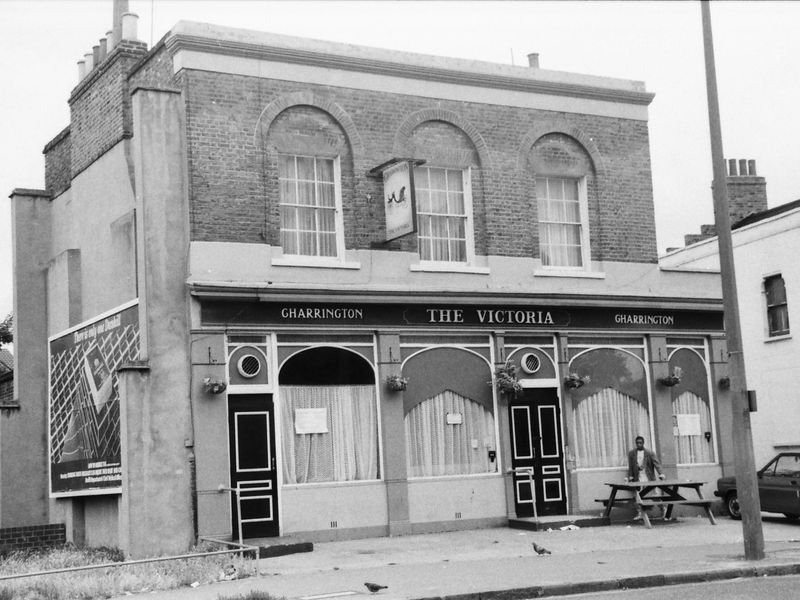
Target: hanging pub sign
x,y
398,196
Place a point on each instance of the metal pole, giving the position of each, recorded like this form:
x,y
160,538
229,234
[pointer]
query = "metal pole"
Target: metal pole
x,y
746,481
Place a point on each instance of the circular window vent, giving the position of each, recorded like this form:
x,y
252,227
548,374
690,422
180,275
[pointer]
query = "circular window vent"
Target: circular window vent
x,y
249,366
530,363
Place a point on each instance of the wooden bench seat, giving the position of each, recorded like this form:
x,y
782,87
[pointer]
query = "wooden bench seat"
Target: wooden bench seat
x,y
689,502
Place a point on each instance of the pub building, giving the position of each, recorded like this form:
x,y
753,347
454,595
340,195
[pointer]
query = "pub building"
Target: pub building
x,y
290,287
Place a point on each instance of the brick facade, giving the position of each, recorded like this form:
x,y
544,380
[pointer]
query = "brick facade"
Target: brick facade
x,y
230,123
58,163
32,537
101,106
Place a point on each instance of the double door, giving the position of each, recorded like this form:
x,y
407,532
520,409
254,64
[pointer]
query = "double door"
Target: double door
x,y
537,453
251,432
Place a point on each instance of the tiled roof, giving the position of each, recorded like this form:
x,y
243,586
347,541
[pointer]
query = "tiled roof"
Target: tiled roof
x,y
6,361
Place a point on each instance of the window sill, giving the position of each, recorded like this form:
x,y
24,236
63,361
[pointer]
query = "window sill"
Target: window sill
x,y
297,261
567,273
327,484
777,338
435,267
429,478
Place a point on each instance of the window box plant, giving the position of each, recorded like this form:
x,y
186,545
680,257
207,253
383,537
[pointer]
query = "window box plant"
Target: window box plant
x,y
396,383
574,381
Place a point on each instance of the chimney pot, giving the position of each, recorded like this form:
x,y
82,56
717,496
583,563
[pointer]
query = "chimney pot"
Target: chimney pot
x,y
742,167
130,23
533,60
103,49
89,59
751,167
81,70
96,55
732,172
109,41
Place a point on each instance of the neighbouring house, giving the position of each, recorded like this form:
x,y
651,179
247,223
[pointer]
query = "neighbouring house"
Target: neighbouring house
x,y
767,280
6,378
365,292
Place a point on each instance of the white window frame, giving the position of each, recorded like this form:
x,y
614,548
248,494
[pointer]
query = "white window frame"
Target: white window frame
x,y
467,265
317,260
768,334
583,208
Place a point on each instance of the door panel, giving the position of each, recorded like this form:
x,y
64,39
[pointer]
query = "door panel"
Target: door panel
x,y
251,429
536,443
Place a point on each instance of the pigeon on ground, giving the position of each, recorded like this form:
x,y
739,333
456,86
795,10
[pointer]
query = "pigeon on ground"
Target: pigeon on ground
x,y
374,587
540,549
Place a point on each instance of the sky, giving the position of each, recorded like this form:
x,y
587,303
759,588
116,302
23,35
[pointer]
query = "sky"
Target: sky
x,y
660,43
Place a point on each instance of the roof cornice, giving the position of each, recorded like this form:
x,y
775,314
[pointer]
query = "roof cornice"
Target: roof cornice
x,y
178,42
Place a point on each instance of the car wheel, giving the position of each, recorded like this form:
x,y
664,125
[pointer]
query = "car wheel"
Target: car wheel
x,y
732,506
791,516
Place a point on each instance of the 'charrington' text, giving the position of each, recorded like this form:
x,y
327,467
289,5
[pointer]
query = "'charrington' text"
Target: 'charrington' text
x,y
624,319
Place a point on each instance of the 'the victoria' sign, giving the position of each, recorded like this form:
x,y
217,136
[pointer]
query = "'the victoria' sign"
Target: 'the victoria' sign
x,y
488,316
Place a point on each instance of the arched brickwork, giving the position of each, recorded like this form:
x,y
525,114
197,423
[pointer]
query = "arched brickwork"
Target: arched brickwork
x,y
406,129
277,106
559,126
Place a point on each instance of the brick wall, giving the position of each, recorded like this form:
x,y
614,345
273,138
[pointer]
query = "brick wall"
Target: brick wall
x,y
233,188
32,536
746,195
58,163
101,107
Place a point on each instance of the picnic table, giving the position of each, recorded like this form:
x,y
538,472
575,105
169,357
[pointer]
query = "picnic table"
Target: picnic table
x,y
662,492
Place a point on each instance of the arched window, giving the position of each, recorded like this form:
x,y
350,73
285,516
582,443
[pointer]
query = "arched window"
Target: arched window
x,y
449,414
611,409
329,420
311,157
692,446
691,408
564,174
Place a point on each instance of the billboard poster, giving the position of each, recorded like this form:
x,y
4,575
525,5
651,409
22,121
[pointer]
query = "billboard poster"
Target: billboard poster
x,y
84,402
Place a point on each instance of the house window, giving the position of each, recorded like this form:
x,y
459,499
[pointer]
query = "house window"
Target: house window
x,y
777,309
310,201
444,214
563,239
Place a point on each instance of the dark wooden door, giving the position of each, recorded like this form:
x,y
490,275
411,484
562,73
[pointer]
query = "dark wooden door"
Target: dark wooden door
x,y
251,429
536,443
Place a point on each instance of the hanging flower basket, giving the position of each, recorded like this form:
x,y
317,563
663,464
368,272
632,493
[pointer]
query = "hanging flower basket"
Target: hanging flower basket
x,y
213,386
396,383
506,378
574,381
673,378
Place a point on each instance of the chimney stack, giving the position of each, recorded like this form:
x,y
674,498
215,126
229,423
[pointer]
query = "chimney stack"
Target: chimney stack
x,y
747,192
533,60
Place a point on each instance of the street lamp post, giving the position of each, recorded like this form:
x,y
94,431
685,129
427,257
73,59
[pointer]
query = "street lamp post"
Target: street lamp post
x,y
746,480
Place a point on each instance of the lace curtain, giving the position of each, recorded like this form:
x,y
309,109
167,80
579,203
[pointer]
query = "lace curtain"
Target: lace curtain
x,y
606,424
308,205
348,451
693,448
441,214
434,447
559,222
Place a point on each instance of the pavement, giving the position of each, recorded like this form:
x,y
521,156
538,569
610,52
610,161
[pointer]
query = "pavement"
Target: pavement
x,y
500,563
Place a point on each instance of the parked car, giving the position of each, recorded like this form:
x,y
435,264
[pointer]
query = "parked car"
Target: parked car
x,y
778,487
